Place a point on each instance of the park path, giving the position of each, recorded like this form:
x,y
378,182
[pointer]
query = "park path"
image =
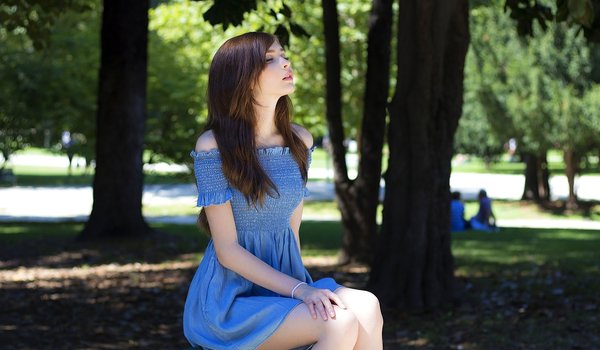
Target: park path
x,y
21,203
52,204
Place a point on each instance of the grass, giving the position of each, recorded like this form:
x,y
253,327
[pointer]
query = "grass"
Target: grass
x,y
504,210
320,238
509,210
57,176
522,251
476,252
556,166
521,288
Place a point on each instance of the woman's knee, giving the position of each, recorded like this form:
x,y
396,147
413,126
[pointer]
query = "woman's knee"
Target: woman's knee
x,y
367,306
374,308
344,323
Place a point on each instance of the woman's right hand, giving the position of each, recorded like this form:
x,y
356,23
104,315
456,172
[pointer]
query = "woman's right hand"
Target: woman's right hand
x,y
319,301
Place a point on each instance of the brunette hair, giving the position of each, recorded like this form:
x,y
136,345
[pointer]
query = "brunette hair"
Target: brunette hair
x,y
234,72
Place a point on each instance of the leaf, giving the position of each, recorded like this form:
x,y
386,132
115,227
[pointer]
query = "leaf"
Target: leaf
x,y
298,30
286,11
562,10
228,12
582,12
283,35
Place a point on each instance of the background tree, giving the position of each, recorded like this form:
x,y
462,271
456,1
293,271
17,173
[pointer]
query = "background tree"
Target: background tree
x,y
531,89
52,88
36,17
414,268
499,80
358,198
118,181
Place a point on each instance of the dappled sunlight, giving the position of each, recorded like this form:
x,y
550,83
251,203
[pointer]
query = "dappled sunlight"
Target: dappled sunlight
x,y
130,305
41,275
571,235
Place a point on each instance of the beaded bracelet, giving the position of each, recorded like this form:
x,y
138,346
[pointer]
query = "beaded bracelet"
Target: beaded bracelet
x,y
296,287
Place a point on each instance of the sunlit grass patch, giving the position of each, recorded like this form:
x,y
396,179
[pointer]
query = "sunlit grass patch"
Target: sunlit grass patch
x,y
520,248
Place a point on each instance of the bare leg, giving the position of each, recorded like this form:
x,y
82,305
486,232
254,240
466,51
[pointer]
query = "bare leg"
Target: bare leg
x,y
365,307
299,329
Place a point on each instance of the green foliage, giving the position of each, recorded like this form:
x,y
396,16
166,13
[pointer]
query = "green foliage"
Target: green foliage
x,y
182,44
35,18
582,15
46,91
535,90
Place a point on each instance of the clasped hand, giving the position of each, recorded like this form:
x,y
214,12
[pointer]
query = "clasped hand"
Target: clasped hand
x,y
319,301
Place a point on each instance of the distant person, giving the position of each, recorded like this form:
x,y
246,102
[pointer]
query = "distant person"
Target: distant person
x,y
484,220
457,214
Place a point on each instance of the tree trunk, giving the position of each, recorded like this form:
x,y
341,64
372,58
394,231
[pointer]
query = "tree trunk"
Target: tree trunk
x,y
537,183
570,171
413,268
358,199
118,182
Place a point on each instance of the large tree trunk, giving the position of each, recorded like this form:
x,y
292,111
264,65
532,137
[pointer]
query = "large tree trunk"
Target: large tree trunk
x,y
118,182
414,268
358,199
537,184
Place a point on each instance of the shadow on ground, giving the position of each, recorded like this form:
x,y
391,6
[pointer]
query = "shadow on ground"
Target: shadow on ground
x,y
129,294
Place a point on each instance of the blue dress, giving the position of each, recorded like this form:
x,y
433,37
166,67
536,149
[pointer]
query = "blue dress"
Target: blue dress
x,y
223,310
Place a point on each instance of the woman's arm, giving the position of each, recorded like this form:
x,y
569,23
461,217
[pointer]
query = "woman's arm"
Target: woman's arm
x,y
234,257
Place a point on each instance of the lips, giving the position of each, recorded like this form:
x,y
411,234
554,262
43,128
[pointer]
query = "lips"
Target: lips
x,y
288,77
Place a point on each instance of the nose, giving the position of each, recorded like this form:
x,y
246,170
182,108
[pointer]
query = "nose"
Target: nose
x,y
286,63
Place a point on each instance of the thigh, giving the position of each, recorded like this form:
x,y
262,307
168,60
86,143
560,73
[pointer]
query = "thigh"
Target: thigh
x,y
299,329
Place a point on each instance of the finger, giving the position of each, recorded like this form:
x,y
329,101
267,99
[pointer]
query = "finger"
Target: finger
x,y
337,300
328,306
311,309
321,308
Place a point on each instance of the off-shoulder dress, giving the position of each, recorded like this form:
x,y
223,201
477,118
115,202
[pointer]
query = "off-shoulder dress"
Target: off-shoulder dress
x,y
223,310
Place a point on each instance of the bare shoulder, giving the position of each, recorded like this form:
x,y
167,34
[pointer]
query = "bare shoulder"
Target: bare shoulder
x,y
206,141
303,134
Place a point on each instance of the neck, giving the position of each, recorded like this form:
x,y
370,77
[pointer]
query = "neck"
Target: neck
x,y
266,131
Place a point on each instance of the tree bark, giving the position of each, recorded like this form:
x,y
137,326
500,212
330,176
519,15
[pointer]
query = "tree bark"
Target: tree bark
x,y
570,170
537,184
413,267
358,199
118,182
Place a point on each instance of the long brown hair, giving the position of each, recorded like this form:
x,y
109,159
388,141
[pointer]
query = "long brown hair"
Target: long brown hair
x,y
234,71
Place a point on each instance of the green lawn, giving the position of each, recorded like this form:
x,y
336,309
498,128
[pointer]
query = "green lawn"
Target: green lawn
x,y
476,252
504,210
503,165
517,289
56,176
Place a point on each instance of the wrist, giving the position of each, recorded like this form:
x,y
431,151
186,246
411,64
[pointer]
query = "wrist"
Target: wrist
x,y
295,289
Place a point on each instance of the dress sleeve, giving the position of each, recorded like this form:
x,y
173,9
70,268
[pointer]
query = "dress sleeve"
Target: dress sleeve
x,y
213,187
310,151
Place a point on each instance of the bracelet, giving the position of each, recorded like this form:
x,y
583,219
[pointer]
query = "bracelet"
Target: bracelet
x,y
296,287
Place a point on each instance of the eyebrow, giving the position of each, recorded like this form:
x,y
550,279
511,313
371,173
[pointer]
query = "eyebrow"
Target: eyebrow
x,y
280,50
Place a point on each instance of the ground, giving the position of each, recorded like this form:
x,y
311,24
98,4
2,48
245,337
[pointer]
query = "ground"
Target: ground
x,y
128,294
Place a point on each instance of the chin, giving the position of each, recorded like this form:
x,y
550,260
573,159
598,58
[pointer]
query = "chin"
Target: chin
x,y
290,90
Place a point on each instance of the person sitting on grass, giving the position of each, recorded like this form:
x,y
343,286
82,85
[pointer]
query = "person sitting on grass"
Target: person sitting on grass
x,y
457,214
484,220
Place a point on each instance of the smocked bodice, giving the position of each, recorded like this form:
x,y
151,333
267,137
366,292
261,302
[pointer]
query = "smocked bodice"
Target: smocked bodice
x,y
274,215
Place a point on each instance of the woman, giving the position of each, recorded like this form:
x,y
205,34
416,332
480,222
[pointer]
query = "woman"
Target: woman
x,y
251,290
484,220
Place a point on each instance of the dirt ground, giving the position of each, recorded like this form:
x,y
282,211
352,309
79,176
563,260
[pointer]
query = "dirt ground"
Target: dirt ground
x,y
60,294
